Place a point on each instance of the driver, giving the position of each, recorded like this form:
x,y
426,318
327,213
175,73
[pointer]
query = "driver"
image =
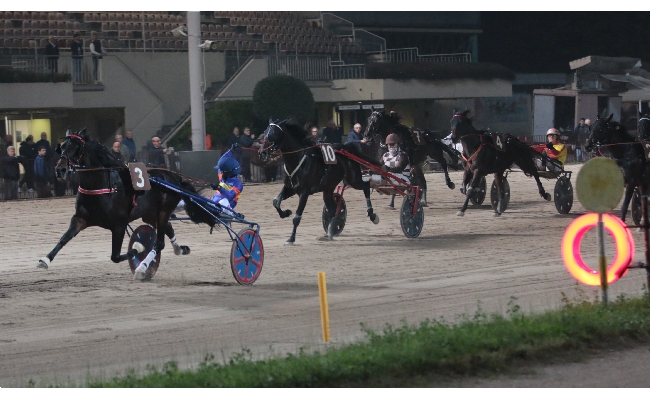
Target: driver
x,y
554,149
229,187
395,161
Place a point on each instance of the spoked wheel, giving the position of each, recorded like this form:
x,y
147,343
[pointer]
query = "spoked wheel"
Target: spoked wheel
x,y
146,235
411,224
478,196
494,195
637,214
340,220
563,195
247,257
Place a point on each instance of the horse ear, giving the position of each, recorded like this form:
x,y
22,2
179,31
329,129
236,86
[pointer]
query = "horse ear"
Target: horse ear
x,y
270,120
465,112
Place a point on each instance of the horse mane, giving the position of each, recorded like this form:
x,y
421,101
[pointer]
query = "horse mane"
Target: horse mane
x,y
393,117
103,154
298,132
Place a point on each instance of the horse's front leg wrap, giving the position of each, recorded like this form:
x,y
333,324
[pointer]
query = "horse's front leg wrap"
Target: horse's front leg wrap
x,y
141,272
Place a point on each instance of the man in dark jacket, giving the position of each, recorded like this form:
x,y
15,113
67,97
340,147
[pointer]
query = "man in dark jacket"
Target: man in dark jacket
x,y
45,143
42,174
11,173
157,152
29,152
52,55
246,142
129,143
77,50
331,134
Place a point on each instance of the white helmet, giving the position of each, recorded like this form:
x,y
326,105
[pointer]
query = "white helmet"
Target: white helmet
x,y
552,131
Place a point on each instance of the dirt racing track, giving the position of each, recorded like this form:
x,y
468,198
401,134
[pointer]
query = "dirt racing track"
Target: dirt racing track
x,y
86,316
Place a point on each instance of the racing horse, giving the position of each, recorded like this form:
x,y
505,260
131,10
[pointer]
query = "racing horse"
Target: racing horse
x,y
482,158
417,144
307,173
626,150
106,198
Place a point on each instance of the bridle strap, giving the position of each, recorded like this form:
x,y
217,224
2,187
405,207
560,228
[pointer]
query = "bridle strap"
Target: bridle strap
x,y
96,191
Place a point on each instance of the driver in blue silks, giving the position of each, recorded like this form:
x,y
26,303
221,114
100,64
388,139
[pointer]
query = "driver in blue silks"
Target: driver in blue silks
x,y
229,187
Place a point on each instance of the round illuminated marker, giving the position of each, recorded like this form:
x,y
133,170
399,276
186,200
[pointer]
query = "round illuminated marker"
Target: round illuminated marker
x,y
600,185
572,238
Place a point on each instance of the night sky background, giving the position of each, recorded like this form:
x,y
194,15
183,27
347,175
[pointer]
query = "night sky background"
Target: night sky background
x,y
528,42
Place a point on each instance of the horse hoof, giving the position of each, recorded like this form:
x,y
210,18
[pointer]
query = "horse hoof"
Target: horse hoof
x,y
181,250
496,214
451,185
43,263
547,196
423,203
139,247
375,220
285,214
140,273
460,213
288,243
462,190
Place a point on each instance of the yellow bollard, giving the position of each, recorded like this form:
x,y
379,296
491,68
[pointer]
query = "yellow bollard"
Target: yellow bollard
x,y
324,314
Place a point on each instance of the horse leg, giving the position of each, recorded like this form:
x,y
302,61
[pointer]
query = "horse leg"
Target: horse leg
x,y
118,239
629,191
285,193
546,196
420,180
77,224
330,204
178,249
467,175
140,273
472,186
392,201
302,202
498,179
445,168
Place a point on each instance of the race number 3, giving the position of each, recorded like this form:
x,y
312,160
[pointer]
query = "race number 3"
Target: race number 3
x,y
329,156
139,176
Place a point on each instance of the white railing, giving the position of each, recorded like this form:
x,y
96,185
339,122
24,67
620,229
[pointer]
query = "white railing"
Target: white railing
x,y
81,71
411,54
306,68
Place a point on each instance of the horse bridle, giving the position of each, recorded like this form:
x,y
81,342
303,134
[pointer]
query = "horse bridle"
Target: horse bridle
x,y
76,163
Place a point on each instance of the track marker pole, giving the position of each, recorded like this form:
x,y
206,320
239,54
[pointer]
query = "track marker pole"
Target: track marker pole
x,y
324,313
602,260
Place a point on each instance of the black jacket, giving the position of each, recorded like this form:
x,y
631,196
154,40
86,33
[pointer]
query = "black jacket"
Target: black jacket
x,y
332,135
245,141
10,168
52,51
77,50
29,151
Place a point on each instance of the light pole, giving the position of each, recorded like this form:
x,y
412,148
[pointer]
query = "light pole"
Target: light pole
x,y
197,108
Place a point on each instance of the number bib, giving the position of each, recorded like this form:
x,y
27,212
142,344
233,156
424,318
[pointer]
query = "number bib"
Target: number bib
x,y
329,156
139,176
499,143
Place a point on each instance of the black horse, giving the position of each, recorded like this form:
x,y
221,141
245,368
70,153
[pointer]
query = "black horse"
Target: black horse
x,y
106,198
307,173
611,138
482,158
416,143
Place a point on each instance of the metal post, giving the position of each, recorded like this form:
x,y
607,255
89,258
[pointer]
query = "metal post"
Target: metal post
x,y
646,237
144,38
602,261
196,96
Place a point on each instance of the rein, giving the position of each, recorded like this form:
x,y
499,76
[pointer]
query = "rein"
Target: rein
x,y
473,156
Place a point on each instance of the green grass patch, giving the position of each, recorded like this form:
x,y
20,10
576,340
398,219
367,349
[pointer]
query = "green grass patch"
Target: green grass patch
x,y
475,344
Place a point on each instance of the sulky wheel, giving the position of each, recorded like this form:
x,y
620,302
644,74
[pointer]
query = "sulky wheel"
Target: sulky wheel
x,y
494,196
563,195
411,224
340,220
479,194
247,256
637,213
146,235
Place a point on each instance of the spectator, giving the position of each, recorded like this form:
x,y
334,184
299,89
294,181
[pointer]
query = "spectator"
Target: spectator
x,y
29,152
11,173
355,135
98,53
42,174
234,138
124,151
7,141
314,133
331,133
52,54
208,141
77,50
157,152
45,143
246,145
116,149
581,131
129,144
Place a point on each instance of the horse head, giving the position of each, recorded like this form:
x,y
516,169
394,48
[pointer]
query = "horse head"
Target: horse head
x,y
461,125
600,133
73,148
381,123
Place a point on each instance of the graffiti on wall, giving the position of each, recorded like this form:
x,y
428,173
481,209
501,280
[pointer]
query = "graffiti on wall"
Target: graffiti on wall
x,y
503,109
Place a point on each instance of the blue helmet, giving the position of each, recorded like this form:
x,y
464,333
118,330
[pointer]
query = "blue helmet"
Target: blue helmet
x,y
228,166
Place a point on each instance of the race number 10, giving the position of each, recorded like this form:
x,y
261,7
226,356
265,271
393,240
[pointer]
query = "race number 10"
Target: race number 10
x,y
329,156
